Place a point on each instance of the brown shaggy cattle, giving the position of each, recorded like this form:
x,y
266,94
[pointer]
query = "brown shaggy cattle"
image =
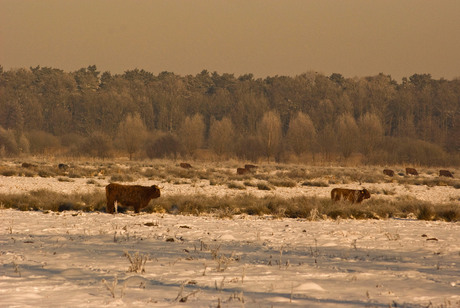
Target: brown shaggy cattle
x,y
63,167
250,167
352,195
185,165
242,171
411,171
388,172
130,195
445,173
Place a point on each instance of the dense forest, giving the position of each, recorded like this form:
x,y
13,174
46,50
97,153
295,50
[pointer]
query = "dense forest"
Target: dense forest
x,y
307,118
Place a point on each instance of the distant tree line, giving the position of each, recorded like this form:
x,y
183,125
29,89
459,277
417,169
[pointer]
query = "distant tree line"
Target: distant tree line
x,y
307,117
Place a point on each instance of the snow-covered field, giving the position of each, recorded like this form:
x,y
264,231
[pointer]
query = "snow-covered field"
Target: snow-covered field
x,y
73,259
79,259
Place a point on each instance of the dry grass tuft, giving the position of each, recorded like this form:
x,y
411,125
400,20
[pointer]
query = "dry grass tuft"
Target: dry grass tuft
x,y
137,262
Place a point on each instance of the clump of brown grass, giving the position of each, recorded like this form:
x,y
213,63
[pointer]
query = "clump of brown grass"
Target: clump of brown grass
x,y
121,177
236,185
262,185
9,172
425,211
46,200
283,182
447,212
316,183
137,261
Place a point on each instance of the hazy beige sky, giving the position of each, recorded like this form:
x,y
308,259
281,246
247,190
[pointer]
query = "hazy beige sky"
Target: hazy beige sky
x,y
263,37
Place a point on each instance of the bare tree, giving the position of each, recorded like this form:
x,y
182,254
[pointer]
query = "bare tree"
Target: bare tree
x,y
301,133
221,136
132,133
347,134
371,133
8,144
191,133
98,144
327,141
164,145
270,134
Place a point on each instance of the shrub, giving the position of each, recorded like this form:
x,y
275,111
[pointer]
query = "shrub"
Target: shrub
x,y
425,212
164,146
97,144
249,148
449,212
8,143
41,142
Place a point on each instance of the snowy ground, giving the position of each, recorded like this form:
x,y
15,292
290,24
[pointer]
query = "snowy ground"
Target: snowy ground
x,y
62,260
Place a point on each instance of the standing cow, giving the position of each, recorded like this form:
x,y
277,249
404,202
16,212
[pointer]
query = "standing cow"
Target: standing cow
x,y
388,172
250,167
352,195
411,171
136,196
446,173
241,171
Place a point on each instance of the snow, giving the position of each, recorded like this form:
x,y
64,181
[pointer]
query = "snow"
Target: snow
x,y
62,260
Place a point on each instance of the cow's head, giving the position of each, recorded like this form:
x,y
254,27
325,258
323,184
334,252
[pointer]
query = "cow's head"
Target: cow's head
x,y
365,194
156,191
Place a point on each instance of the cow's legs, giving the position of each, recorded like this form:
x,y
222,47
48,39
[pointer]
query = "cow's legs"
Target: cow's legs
x,y
110,206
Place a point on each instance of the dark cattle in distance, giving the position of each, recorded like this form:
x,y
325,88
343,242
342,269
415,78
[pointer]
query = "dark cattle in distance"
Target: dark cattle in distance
x,y
28,165
446,173
242,171
411,171
63,167
250,167
185,165
136,196
352,195
388,172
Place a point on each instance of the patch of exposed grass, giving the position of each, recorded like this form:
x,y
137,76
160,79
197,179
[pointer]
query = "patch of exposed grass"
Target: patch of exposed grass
x,y
295,174
236,185
448,212
52,201
262,185
317,183
121,177
65,179
93,182
45,173
283,182
296,207
9,172
249,183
